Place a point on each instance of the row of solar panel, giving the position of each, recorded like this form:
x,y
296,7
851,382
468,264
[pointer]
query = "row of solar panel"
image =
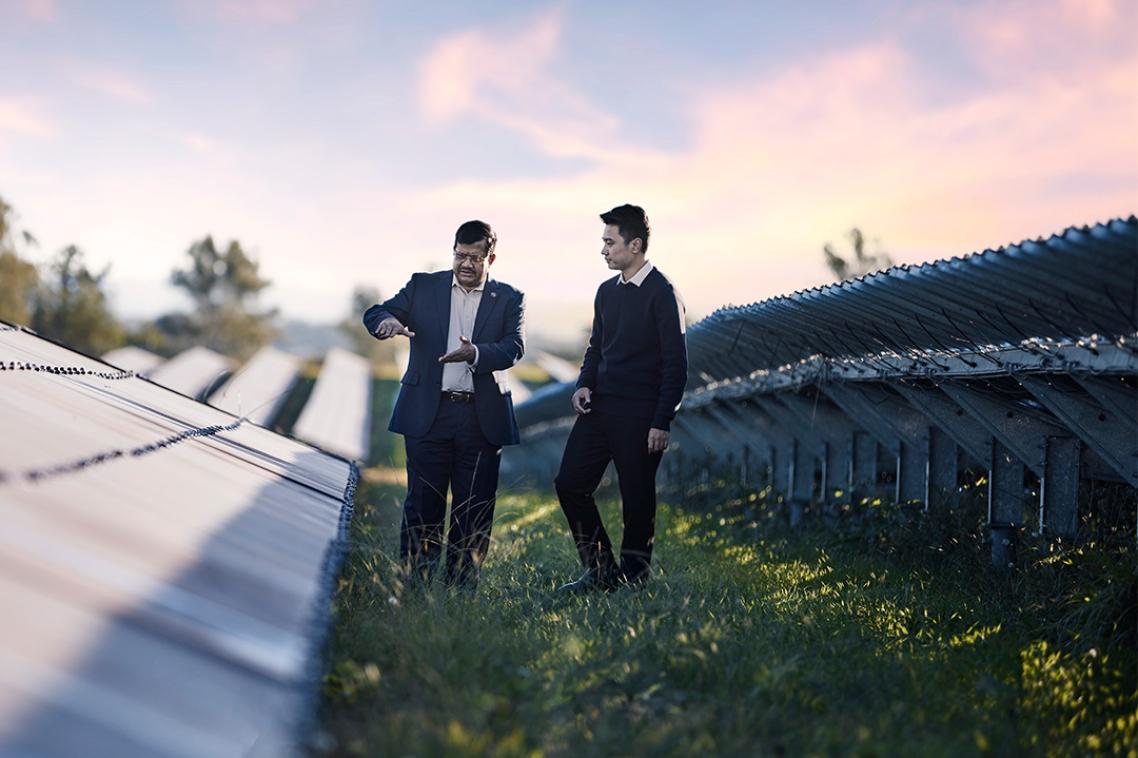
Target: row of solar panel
x,y
783,395
165,568
336,416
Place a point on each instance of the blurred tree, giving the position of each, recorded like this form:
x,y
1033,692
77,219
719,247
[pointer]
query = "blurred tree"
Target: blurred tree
x,y
223,287
378,352
862,262
18,278
150,336
18,282
71,307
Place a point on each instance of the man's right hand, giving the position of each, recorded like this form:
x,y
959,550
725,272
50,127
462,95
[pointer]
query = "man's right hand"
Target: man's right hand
x,y
582,399
390,327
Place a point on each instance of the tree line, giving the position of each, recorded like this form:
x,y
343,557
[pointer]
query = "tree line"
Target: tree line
x,y
65,300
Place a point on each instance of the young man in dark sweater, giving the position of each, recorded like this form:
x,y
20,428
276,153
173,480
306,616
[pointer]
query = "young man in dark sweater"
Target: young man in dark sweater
x,y
631,383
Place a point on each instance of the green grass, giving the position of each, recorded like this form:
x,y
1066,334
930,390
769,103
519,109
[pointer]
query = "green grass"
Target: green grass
x,y
888,635
385,449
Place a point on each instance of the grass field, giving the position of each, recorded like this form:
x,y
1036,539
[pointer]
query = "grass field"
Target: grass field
x,y
883,637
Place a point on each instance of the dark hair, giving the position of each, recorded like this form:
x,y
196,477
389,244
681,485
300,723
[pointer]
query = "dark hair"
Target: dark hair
x,y
476,231
632,222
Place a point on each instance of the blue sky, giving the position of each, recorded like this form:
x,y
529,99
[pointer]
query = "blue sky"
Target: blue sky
x,y
343,142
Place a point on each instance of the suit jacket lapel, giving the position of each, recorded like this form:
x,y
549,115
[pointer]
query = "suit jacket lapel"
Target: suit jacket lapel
x,y
442,296
485,306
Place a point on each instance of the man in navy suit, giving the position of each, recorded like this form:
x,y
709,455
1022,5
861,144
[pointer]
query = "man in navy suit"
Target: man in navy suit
x,y
454,409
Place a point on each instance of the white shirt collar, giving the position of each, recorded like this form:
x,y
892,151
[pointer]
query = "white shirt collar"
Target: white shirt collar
x,y
455,283
639,277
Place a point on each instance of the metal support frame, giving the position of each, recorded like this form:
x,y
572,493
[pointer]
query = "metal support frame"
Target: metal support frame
x,y
1115,439
1059,498
782,444
884,439
901,429
854,404
753,448
1112,394
912,429
1016,428
836,430
1023,439
1005,488
1024,434
696,427
864,469
1058,316
942,481
951,418
1005,504
808,447
949,421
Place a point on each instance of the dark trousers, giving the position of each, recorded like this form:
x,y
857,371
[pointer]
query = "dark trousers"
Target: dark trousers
x,y
452,454
596,439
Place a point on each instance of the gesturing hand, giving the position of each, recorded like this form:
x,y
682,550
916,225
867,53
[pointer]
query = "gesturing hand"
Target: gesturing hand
x,y
582,399
464,353
657,440
390,327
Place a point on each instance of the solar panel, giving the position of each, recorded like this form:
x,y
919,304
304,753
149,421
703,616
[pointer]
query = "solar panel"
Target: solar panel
x,y
134,359
259,387
192,372
337,416
165,567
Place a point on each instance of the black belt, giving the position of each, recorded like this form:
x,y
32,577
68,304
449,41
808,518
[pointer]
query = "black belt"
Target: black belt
x,y
458,397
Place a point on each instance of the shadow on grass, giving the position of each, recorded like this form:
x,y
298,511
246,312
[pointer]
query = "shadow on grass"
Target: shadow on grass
x,y
752,638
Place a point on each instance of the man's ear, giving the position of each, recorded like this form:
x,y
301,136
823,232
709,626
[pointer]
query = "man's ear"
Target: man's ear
x,y
637,246
490,258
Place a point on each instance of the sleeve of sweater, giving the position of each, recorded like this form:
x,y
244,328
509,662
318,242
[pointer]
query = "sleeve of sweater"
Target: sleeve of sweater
x,y
588,377
669,311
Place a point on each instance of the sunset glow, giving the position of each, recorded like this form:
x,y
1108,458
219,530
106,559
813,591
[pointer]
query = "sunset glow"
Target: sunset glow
x,y
344,142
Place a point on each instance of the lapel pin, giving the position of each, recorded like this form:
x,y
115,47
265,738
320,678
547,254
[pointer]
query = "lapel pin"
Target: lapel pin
x,y
493,294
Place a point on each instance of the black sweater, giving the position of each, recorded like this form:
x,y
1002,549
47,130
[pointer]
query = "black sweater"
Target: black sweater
x,y
637,360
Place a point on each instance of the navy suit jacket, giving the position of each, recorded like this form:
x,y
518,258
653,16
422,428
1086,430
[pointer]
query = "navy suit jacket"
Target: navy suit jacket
x,y
423,306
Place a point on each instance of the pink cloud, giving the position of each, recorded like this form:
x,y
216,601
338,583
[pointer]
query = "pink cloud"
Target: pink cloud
x,y
1096,13
111,83
38,10
1015,39
791,159
25,116
263,11
199,143
461,64
501,75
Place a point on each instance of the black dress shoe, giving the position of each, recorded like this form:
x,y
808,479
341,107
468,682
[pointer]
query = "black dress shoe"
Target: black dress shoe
x,y
593,580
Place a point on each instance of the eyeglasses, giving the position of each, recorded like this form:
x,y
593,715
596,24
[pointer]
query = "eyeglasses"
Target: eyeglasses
x,y
469,258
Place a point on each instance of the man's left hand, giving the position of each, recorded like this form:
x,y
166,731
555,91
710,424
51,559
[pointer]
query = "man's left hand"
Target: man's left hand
x,y
657,440
464,353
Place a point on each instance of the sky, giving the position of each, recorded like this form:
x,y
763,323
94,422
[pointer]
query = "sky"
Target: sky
x,y
343,142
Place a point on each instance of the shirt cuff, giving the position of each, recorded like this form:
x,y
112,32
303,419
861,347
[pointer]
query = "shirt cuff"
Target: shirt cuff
x,y
474,363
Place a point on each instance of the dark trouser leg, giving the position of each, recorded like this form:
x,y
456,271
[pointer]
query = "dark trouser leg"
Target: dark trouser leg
x,y
636,472
582,465
429,462
474,482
